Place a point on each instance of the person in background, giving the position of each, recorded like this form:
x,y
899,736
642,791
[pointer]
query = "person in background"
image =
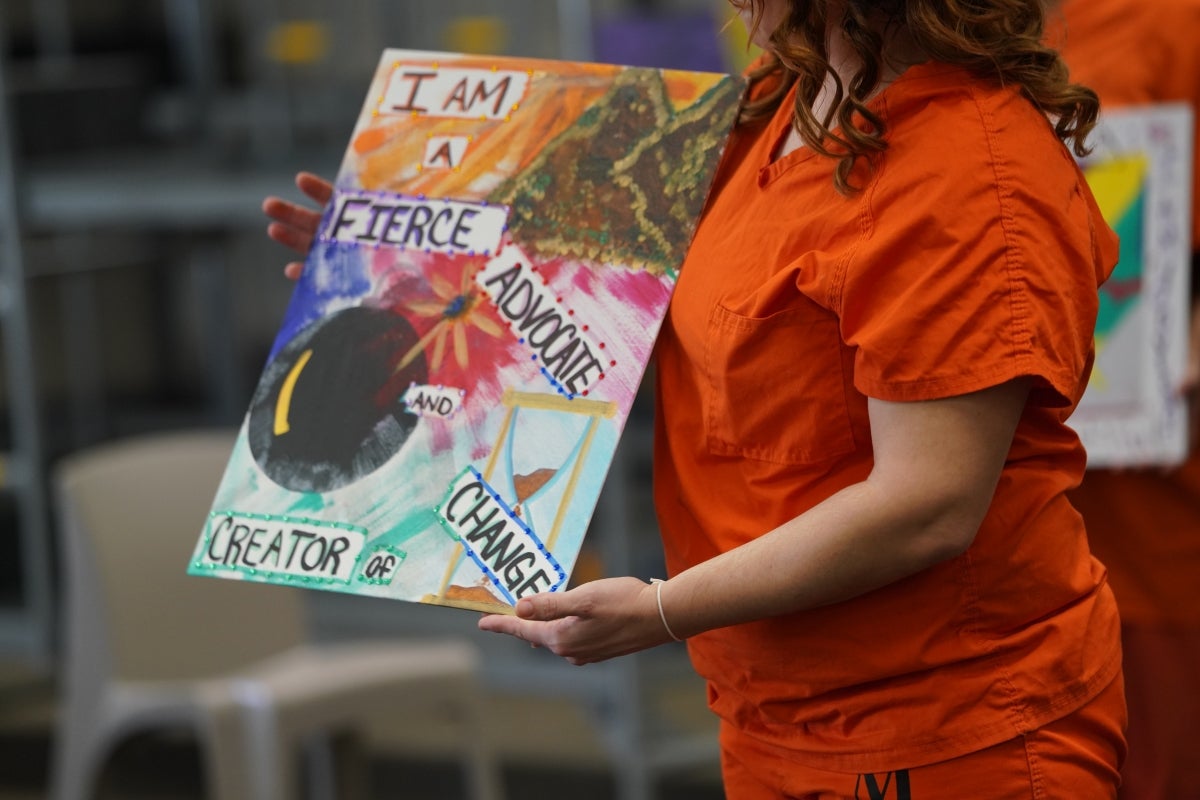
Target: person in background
x,y
861,452
1144,524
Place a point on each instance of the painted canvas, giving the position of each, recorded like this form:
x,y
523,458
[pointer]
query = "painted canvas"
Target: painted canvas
x,y
1132,413
446,391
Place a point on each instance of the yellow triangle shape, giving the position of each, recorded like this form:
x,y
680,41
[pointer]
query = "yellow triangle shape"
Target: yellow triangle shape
x,y
1116,183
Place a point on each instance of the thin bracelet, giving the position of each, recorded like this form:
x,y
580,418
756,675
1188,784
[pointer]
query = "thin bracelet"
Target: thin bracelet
x,y
658,584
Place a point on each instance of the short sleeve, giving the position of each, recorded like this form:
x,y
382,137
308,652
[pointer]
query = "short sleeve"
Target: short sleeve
x,y
981,262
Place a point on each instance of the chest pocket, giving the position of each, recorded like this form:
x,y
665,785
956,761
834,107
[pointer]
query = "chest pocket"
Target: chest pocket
x,y
775,387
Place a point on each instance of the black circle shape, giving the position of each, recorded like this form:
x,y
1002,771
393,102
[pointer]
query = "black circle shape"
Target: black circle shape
x,y
346,416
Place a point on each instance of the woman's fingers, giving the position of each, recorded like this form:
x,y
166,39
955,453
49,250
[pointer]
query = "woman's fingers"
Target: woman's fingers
x,y
536,633
314,187
295,226
535,620
499,623
292,215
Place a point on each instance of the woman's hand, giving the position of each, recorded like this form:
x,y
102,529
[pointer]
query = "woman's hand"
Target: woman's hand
x,y
294,226
596,621
937,463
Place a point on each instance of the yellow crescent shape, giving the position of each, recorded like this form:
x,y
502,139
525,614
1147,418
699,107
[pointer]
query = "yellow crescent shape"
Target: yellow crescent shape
x,y
284,403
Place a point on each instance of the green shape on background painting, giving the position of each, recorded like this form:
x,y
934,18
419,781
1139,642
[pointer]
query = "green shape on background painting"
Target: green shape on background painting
x,y
1119,185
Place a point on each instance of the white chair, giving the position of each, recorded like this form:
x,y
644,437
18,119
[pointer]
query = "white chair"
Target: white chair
x,y
146,646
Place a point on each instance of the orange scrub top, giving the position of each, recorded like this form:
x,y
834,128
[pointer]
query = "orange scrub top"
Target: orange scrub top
x,y
1143,524
972,256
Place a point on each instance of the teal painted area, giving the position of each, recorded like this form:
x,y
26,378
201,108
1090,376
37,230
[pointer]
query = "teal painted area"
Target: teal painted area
x,y
1123,289
307,503
414,524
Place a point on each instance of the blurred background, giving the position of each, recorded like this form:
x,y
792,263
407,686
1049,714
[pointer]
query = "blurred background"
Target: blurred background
x,y
139,294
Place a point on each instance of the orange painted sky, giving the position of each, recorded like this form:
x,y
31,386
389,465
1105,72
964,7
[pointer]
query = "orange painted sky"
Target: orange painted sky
x,y
391,148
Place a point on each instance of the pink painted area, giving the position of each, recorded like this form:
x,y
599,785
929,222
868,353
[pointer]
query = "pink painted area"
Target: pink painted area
x,y
620,307
624,306
405,282
639,294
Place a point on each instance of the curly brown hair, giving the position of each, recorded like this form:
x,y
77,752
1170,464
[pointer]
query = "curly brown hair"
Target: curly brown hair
x,y
995,39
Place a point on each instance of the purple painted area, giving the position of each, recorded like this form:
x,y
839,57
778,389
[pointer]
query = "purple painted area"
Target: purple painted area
x,y
342,275
687,41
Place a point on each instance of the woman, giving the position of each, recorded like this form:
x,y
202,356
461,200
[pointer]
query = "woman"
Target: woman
x,y
860,454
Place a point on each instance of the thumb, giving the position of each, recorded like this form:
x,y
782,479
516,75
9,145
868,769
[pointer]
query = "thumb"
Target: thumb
x,y
546,606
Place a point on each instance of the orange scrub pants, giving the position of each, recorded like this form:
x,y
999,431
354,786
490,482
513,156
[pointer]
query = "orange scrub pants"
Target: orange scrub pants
x,y
1078,756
